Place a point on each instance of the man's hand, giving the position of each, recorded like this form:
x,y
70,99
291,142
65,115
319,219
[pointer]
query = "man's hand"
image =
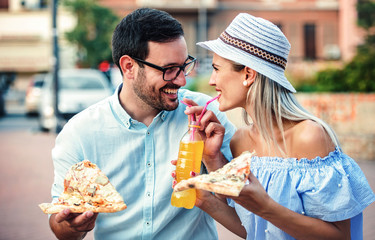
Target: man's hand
x,y
68,225
201,196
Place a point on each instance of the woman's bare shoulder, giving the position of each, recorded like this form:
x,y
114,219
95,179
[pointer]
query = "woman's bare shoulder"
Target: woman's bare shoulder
x,y
241,141
310,140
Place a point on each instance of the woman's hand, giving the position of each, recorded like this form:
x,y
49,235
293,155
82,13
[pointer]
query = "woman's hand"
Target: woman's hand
x,y
212,133
253,197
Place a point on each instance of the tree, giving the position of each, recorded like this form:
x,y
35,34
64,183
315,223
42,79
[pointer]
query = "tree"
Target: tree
x,y
93,32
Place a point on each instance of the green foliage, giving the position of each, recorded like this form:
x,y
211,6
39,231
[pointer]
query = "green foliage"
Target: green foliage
x,y
358,75
366,13
93,32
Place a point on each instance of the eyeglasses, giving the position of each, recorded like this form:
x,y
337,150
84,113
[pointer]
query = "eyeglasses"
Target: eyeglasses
x,y
171,73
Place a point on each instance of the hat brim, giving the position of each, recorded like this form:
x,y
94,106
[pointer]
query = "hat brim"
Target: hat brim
x,y
224,50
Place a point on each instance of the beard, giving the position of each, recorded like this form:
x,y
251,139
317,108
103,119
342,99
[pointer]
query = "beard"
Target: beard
x,y
150,96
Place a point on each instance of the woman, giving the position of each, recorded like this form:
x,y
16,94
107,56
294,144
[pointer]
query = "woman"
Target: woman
x,y
302,185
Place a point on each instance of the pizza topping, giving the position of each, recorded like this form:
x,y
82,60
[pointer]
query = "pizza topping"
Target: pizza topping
x,y
101,180
213,180
91,190
70,189
228,180
86,188
72,198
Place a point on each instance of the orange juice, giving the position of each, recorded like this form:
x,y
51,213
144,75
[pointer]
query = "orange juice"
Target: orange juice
x,y
189,159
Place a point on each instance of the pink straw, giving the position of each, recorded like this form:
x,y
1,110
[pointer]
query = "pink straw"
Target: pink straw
x,y
193,116
192,119
205,107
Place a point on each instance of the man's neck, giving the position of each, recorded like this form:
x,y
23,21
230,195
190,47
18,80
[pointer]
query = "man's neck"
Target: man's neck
x,y
136,108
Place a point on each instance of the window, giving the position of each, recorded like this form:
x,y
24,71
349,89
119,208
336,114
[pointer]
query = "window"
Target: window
x,y
33,4
310,42
4,4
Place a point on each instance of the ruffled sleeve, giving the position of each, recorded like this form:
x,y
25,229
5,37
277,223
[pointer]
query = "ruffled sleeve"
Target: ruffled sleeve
x,y
333,188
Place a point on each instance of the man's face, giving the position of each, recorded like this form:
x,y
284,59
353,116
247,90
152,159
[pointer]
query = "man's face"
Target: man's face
x,y
149,85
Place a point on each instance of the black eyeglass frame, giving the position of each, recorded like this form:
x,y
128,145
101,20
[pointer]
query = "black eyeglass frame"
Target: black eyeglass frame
x,y
162,69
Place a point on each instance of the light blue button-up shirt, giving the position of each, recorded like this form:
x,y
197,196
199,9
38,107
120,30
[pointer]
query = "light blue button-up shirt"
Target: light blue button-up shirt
x,y
136,159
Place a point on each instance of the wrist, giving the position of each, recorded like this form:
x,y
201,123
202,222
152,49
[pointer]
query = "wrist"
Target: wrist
x,y
72,235
268,209
214,162
206,203
64,232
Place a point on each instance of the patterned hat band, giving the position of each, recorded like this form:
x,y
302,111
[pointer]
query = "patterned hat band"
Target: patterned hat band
x,y
253,50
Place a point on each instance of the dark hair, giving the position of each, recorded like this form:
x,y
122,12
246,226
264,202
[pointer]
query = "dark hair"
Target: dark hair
x,y
132,34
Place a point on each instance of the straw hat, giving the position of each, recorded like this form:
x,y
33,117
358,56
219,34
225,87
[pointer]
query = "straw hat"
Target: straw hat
x,y
256,43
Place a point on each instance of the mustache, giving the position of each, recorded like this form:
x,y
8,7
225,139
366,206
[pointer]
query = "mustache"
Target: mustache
x,y
171,86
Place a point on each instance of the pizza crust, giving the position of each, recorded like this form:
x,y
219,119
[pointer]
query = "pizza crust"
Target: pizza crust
x,y
228,180
51,208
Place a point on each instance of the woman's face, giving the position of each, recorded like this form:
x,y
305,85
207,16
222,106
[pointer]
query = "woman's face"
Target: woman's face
x,y
228,83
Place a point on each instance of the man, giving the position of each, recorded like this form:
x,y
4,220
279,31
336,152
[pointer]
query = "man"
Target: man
x,y
133,135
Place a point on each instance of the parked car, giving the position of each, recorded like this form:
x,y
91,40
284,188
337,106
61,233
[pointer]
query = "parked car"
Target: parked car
x,y
77,90
33,93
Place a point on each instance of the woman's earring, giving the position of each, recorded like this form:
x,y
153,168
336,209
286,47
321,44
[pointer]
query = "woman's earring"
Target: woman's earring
x,y
245,83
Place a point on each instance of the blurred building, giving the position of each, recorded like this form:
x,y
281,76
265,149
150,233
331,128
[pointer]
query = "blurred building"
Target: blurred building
x,y
321,32
26,39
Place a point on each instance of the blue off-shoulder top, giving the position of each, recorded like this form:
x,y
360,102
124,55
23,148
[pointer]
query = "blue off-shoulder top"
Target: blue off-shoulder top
x,y
332,188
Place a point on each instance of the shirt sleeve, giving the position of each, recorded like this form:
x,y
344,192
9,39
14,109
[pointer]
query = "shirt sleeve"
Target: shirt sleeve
x,y
336,190
65,153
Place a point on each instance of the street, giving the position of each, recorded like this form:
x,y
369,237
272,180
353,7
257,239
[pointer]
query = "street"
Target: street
x,y
27,174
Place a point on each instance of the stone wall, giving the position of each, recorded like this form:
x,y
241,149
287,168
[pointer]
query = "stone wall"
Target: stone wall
x,y
351,115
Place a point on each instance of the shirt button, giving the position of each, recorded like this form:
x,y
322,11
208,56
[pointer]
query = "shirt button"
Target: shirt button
x,y
148,223
148,194
266,231
148,164
148,133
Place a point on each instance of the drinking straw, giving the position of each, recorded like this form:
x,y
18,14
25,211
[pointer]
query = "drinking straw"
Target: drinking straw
x,y
193,116
204,109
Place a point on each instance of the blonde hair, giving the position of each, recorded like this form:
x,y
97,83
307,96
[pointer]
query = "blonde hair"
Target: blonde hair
x,y
273,104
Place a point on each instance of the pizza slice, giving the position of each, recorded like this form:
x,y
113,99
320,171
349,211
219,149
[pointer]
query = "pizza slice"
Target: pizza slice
x,y
228,180
86,188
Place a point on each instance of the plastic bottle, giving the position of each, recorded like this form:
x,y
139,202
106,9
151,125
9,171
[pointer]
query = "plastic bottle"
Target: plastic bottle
x,y
189,159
